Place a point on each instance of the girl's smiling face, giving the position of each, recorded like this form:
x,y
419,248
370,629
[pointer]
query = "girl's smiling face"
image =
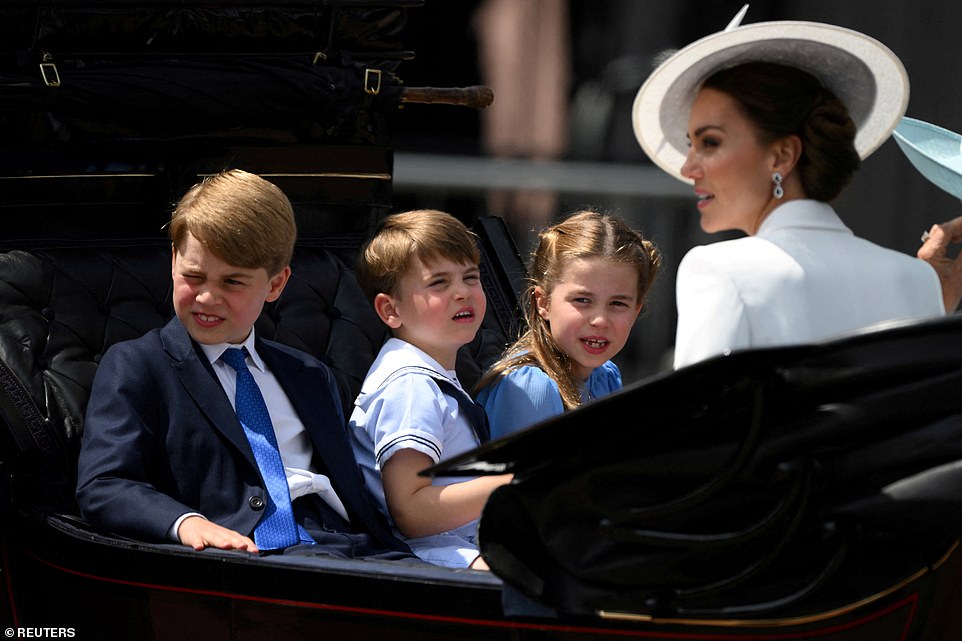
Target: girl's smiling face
x,y
591,310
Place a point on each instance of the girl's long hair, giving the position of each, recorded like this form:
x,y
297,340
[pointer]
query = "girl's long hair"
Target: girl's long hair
x,y
585,234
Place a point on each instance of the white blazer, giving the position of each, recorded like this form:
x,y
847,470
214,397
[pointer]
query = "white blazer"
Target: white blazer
x,y
803,277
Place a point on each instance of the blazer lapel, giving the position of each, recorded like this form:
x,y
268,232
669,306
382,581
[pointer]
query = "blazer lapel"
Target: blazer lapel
x,y
201,385
306,386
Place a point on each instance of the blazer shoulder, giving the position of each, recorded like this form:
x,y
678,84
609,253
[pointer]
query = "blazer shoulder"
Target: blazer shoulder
x,y
269,349
293,365
142,347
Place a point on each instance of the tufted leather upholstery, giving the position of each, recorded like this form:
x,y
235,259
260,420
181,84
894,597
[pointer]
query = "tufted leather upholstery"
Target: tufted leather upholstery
x,y
61,307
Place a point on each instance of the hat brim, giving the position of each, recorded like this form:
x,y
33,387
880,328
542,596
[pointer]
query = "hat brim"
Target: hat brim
x,y
862,72
935,152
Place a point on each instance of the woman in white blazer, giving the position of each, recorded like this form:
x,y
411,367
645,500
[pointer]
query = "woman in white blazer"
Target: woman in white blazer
x,y
769,122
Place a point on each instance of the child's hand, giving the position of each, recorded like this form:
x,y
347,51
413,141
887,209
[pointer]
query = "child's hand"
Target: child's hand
x,y
199,533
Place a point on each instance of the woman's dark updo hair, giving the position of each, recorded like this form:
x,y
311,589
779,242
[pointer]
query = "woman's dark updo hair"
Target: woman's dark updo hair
x,y
780,101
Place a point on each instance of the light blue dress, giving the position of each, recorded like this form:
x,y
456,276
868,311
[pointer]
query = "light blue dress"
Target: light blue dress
x,y
526,395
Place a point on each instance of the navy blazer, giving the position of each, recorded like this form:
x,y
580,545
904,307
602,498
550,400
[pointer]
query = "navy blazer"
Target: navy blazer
x,y
161,439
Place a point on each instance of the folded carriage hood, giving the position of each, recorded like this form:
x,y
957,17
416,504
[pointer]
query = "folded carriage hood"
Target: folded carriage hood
x,y
770,482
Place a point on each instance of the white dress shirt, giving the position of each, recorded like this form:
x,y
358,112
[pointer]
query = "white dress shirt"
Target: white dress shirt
x,y
293,441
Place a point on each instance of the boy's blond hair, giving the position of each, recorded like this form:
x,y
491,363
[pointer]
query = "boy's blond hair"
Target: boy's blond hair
x,y
427,234
240,217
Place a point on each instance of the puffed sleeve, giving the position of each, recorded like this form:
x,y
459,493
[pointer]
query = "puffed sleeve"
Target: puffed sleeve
x,y
604,380
520,398
410,413
711,313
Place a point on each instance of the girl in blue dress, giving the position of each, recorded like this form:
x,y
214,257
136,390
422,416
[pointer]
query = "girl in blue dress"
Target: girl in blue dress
x,y
587,284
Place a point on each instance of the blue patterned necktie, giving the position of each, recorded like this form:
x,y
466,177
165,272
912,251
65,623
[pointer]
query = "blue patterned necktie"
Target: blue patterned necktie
x,y
277,528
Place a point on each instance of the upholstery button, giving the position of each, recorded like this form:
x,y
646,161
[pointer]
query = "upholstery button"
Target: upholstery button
x,y
256,503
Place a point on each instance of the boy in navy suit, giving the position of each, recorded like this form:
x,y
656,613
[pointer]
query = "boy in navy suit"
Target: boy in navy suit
x,y
164,455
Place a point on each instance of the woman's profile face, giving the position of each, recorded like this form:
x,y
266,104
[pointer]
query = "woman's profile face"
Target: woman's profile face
x,y
731,169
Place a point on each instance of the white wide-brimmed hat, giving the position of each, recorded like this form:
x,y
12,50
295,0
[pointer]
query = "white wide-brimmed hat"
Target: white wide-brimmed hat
x,y
934,151
862,72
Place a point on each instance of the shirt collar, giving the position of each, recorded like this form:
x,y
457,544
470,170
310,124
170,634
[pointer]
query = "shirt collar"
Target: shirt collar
x,y
213,352
810,214
397,353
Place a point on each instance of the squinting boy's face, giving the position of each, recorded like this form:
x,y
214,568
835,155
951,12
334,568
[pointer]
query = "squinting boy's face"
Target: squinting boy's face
x,y
218,302
438,308
591,310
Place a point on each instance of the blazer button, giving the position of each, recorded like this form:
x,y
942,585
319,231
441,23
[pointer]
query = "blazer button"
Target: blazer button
x,y
256,503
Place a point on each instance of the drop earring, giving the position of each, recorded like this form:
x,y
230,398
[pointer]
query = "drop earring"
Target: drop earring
x,y
777,192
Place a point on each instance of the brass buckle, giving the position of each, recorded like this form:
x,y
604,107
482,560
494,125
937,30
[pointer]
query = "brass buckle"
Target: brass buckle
x,y
48,71
372,81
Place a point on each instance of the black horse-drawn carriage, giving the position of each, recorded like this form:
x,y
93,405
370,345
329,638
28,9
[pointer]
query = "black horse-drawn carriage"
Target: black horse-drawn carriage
x,y
807,492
